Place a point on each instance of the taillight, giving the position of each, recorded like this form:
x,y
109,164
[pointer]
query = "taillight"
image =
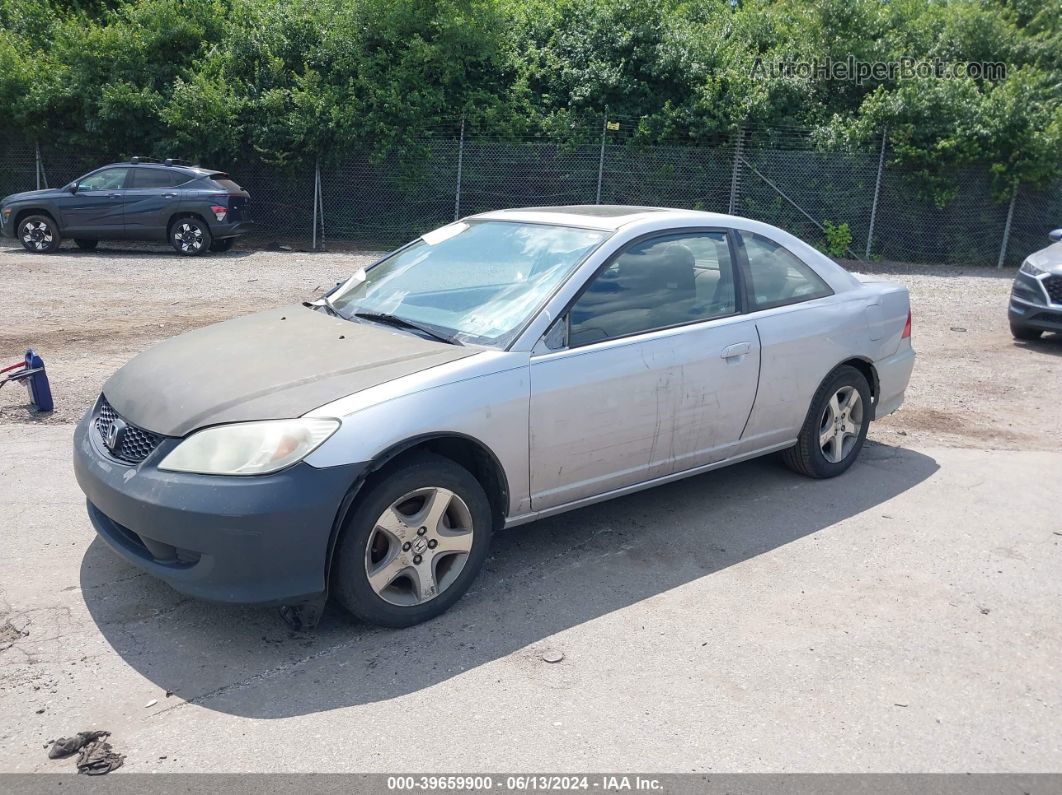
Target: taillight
x,y
907,327
219,211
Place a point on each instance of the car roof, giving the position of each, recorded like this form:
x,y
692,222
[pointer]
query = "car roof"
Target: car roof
x,y
608,217
198,171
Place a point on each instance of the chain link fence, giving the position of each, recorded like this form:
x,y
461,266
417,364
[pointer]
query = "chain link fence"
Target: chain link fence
x,y
778,176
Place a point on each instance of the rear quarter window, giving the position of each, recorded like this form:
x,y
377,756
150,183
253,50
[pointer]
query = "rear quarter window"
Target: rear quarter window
x,y
223,182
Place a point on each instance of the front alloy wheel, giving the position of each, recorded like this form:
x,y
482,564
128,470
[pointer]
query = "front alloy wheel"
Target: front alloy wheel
x,y
39,234
419,546
190,237
415,540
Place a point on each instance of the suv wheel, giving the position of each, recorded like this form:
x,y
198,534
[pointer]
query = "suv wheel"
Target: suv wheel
x,y
86,245
190,237
39,234
413,544
835,428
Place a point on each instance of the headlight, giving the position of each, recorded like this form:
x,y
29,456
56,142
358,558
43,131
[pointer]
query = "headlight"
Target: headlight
x,y
1030,269
249,448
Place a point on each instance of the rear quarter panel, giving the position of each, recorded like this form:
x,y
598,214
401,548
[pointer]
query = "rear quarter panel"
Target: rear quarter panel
x,y
802,343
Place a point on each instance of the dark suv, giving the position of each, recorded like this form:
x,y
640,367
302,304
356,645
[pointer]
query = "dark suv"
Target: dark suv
x,y
195,209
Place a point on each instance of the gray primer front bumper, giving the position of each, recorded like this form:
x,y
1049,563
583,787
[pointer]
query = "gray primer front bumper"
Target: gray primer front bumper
x,y
259,540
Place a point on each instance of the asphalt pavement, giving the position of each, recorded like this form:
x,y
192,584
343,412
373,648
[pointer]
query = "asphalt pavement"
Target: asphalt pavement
x,y
903,617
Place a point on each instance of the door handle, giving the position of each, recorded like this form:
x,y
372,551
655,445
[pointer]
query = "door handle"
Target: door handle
x,y
735,350
169,195
115,196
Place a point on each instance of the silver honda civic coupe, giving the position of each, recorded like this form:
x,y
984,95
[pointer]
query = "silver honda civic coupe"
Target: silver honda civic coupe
x,y
497,370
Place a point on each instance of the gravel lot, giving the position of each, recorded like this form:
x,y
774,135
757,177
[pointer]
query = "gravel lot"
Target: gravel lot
x,y
88,313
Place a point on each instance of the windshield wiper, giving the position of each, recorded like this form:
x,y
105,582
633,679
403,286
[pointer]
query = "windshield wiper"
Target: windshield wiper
x,y
401,322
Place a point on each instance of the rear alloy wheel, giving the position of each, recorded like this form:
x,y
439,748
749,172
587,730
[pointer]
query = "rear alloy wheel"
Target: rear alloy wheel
x,y
39,234
1024,333
86,245
835,428
414,543
190,237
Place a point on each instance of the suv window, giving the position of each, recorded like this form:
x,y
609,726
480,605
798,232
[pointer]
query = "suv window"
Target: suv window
x,y
776,276
107,179
158,178
660,282
224,182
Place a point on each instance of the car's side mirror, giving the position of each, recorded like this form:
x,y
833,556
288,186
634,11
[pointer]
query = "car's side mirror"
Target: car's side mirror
x,y
1055,235
72,187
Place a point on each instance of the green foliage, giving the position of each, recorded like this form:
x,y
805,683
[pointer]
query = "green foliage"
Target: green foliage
x,y
838,238
290,80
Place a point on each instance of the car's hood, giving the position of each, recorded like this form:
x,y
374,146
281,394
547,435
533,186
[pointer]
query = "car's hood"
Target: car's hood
x,y
276,364
1048,259
47,193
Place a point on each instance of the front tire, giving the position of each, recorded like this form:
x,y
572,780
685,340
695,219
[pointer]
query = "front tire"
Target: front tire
x,y
413,544
190,237
86,245
835,428
1024,333
39,234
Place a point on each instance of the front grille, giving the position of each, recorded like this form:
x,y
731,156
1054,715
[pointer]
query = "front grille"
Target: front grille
x,y
1053,285
135,444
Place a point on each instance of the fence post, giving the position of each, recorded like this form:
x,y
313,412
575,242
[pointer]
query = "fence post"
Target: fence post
x,y
877,191
1006,229
316,183
601,159
320,202
735,173
460,163
37,163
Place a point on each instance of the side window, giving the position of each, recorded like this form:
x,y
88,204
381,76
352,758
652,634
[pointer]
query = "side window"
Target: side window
x,y
776,276
108,179
660,282
157,178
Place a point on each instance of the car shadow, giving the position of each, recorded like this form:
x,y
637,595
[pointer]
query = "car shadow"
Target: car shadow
x,y
1050,343
541,579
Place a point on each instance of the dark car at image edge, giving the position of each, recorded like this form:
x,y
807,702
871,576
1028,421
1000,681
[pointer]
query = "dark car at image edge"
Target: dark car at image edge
x,y
193,209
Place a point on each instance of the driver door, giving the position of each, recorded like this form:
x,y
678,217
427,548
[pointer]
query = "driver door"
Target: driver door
x,y
97,208
653,371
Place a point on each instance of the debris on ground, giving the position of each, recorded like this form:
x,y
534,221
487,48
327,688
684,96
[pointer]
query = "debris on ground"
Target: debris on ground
x,y
552,656
96,756
9,634
151,703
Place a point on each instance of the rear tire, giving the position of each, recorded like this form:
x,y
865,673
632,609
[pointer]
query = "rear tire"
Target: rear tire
x,y
1024,333
835,428
39,234
86,245
225,244
414,542
190,237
